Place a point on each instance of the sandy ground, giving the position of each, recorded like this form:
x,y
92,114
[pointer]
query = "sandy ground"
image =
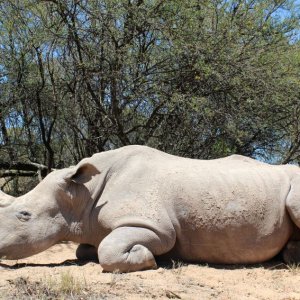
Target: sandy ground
x,y
58,269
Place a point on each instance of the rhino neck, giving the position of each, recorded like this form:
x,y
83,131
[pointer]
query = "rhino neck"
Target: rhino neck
x,y
82,225
85,230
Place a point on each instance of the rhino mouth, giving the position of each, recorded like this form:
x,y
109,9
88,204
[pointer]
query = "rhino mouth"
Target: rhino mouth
x,y
18,251
6,253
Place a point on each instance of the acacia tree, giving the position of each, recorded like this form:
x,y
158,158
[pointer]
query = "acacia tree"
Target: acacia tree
x,y
196,78
233,79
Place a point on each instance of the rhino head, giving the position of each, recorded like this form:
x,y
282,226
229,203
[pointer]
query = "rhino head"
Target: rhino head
x,y
50,213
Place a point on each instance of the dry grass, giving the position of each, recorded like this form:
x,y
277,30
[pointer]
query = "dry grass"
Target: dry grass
x,y
115,278
66,287
294,268
177,269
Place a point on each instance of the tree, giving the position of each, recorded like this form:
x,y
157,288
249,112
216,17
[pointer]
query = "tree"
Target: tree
x,y
200,79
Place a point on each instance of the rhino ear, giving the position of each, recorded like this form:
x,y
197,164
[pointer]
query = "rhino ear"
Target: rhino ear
x,y
82,173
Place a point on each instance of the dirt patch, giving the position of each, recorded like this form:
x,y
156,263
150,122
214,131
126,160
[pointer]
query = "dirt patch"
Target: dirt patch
x,y
56,274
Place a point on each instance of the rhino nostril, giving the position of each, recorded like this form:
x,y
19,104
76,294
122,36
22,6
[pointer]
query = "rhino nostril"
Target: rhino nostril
x,y
23,215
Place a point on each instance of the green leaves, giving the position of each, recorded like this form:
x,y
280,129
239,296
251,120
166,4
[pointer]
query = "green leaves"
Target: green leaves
x,y
196,78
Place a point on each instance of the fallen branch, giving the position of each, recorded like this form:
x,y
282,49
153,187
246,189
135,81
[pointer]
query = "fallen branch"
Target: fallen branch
x,y
10,173
29,166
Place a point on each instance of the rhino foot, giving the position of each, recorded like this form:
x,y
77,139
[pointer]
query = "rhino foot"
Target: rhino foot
x,y
86,252
129,249
291,252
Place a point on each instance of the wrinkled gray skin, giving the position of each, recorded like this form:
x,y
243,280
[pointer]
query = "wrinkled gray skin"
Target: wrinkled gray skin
x,y
128,206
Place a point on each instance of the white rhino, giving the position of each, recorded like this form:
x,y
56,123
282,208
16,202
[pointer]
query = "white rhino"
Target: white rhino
x,y
130,205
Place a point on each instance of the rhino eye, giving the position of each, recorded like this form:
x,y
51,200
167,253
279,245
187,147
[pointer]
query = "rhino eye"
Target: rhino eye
x,y
23,215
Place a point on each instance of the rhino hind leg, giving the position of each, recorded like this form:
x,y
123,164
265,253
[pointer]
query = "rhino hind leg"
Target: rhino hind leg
x,y
86,252
291,252
129,249
293,201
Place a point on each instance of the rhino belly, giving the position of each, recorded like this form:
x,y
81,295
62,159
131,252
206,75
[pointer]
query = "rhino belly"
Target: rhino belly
x,y
237,219
232,243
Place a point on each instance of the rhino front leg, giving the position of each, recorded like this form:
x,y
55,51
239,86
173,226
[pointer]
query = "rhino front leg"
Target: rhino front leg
x,y
129,249
86,252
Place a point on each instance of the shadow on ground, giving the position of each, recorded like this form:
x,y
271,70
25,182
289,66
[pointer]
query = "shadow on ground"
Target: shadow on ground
x,y
274,264
69,262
